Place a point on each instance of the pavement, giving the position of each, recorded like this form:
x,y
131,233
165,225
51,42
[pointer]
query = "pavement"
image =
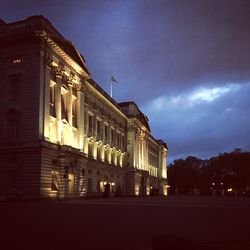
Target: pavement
x,y
150,223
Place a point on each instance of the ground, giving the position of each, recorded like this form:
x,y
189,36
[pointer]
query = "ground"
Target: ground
x,y
151,223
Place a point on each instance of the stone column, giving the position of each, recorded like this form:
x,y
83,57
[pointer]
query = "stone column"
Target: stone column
x,y
109,135
146,154
59,73
162,169
45,102
102,152
131,136
94,126
69,104
142,153
80,111
138,150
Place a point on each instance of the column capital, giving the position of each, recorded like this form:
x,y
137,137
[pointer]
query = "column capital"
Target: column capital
x,y
58,70
49,61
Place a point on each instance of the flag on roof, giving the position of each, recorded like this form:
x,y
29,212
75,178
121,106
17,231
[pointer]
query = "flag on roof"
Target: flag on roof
x,y
113,79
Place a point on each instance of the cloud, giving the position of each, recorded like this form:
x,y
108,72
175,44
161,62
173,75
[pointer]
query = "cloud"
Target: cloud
x,y
204,121
192,98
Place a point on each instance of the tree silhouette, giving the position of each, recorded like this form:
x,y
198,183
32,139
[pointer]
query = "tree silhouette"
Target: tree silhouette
x,y
225,172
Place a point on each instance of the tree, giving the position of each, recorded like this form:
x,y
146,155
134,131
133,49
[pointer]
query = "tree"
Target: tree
x,y
184,175
227,171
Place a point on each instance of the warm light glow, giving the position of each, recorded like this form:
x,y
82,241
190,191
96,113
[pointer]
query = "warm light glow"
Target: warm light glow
x,y
229,190
94,150
112,183
52,132
213,184
136,189
17,60
105,183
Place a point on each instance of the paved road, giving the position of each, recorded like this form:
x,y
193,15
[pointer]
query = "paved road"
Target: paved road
x,y
128,223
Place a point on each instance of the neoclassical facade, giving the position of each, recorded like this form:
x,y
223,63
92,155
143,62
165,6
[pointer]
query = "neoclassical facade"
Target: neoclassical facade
x,y
61,135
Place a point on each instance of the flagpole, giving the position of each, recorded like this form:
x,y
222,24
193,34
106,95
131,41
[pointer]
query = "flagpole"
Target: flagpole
x,y
111,90
112,80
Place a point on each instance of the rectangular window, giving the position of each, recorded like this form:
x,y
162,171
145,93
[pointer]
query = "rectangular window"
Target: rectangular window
x,y
90,150
113,137
17,60
13,128
90,125
89,186
99,153
98,130
106,156
74,113
106,134
14,87
118,140
123,143
64,115
52,99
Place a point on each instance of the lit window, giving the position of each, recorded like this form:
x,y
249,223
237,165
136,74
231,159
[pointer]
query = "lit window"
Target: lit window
x,y
90,125
74,107
52,99
64,114
54,181
16,60
98,153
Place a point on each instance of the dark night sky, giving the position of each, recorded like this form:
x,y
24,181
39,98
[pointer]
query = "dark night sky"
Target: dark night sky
x,y
186,63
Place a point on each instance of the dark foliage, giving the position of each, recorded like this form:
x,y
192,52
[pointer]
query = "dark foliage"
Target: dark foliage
x,y
227,173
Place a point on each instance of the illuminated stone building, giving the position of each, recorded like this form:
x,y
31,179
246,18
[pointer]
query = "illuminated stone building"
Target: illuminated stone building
x,y
61,134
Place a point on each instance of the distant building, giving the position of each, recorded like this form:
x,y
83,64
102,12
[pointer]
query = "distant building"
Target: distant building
x,y
61,134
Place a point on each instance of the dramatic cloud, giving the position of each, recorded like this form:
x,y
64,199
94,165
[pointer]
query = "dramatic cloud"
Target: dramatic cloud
x,y
203,121
186,63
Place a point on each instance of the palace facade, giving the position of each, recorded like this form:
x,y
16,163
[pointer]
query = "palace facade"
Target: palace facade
x,y
61,135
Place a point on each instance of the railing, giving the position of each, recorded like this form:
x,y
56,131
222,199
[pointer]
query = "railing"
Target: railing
x,y
17,26
32,23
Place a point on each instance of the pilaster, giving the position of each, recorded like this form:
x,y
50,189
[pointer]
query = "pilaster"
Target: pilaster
x,y
46,99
